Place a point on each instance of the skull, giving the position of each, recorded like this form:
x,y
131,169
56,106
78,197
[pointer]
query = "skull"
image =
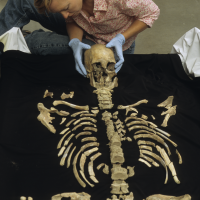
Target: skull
x,y
100,65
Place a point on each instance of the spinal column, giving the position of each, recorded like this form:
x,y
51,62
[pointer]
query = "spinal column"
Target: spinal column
x,y
118,173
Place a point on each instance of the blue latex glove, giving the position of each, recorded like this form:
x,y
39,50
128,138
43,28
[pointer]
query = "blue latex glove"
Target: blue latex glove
x,y
77,47
117,43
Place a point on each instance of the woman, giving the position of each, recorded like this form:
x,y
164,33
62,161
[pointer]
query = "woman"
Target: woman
x,y
112,22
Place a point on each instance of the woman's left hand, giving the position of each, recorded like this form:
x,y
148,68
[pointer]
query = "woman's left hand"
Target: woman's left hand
x,y
117,43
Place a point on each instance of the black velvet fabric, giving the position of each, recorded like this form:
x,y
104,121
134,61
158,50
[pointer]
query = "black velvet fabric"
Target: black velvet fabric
x,y
29,165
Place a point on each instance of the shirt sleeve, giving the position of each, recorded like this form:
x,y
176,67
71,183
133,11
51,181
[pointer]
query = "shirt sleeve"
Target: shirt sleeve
x,y
69,19
144,10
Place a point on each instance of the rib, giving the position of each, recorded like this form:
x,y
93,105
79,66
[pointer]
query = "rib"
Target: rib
x,y
78,113
81,124
68,124
154,137
88,115
137,122
70,156
63,120
69,138
86,139
90,129
82,161
141,127
94,157
62,162
145,147
61,151
100,166
150,160
146,143
60,142
83,175
179,157
145,162
90,151
85,118
63,132
83,133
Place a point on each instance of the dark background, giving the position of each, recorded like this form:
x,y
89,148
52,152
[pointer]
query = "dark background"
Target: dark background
x,y
29,165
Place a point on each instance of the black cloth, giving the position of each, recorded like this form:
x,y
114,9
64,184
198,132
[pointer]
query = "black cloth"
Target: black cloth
x,y
28,150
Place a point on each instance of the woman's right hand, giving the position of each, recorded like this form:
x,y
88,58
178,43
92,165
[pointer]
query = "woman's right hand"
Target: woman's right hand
x,y
77,47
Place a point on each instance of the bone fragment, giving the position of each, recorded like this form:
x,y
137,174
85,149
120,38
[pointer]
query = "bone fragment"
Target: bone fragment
x,y
100,166
145,147
161,131
61,151
83,175
179,157
95,111
30,198
90,169
94,179
106,169
150,160
91,144
72,195
131,171
88,115
115,113
171,111
66,96
165,197
61,113
157,158
144,117
140,142
167,103
133,114
45,118
69,138
90,151
64,131
119,126
168,163
117,185
115,117
70,156
83,123
95,108
131,109
63,120
153,117
62,162
82,162
137,122
129,139
48,94
154,137
85,118
55,103
133,105
144,161
118,122
70,122
78,113
86,139
83,133
90,129
94,157
76,172
61,140
22,198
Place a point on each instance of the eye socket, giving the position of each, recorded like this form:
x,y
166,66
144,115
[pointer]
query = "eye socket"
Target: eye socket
x,y
98,65
111,66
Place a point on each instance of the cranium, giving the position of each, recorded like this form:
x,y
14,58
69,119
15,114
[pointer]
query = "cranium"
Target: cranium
x,y
100,65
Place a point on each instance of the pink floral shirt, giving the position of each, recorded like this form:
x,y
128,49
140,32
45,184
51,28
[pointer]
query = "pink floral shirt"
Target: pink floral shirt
x,y
112,17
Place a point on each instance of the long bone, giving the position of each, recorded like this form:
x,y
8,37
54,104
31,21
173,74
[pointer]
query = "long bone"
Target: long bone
x,y
154,137
144,161
70,156
131,109
157,158
83,133
133,105
61,140
179,157
62,162
137,122
140,142
61,113
86,139
85,118
83,123
150,160
70,122
166,197
171,111
55,103
90,129
168,163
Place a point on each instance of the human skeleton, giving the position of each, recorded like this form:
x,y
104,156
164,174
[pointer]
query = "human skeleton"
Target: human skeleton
x,y
99,63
